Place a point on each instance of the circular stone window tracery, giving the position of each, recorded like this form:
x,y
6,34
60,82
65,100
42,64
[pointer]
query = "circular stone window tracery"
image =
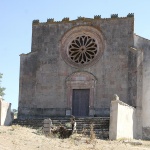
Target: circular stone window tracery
x,y
82,46
82,50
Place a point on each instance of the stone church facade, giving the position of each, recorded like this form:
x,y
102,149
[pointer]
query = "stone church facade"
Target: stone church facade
x,y
75,67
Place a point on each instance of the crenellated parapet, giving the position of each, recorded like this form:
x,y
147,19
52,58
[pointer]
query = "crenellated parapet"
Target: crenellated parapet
x,y
97,17
35,22
114,15
130,15
66,19
50,20
81,19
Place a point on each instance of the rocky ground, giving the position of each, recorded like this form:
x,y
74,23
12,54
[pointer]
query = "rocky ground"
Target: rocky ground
x,y
23,138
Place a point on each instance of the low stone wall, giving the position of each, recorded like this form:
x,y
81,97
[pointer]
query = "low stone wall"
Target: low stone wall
x,y
5,113
122,121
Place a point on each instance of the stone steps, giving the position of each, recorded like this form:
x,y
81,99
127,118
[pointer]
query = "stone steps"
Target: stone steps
x,y
100,124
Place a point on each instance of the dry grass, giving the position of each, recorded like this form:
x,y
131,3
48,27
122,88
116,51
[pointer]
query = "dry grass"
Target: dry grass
x,y
23,138
15,127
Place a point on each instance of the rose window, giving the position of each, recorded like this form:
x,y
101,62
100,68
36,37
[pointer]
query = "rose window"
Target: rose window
x,y
82,50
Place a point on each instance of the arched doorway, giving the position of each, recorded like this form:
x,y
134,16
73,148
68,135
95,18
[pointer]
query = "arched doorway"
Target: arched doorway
x,y
80,93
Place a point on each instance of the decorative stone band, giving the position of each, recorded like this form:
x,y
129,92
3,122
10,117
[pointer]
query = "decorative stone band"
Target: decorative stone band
x,y
82,46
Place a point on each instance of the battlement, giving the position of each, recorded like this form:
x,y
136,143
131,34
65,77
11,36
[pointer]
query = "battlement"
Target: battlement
x,y
67,19
114,16
130,15
50,20
97,17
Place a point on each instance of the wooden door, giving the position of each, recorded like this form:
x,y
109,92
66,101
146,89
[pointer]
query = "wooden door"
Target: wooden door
x,y
80,102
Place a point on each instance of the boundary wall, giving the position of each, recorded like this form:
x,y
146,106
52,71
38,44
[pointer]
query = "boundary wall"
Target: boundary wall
x,y
122,121
5,113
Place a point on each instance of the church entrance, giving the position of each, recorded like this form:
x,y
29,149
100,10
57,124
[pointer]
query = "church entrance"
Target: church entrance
x,y
80,102
81,89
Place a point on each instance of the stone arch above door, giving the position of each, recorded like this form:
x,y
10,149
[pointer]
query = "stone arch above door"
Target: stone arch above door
x,y
81,80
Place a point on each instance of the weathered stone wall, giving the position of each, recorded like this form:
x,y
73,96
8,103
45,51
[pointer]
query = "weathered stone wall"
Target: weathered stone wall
x,y
122,121
43,72
132,77
5,113
144,46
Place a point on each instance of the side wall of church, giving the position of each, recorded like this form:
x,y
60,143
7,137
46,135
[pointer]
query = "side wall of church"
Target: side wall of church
x,y
144,46
43,72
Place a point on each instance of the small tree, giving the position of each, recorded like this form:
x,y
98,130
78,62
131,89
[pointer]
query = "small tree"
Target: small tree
x,y
2,89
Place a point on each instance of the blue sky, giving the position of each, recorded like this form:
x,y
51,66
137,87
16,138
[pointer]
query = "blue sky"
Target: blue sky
x,y
16,27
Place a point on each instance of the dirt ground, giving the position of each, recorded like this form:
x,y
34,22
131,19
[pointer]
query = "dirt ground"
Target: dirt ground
x,y
23,138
